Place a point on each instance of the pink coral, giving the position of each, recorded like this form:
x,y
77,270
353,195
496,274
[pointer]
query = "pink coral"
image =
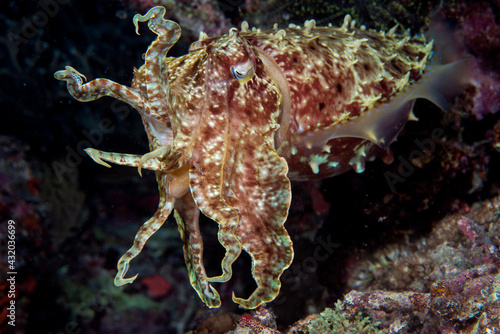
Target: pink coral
x,y
158,286
480,33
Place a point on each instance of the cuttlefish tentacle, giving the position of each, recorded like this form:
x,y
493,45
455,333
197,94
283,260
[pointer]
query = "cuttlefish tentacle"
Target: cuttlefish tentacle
x,y
187,216
98,88
123,159
161,159
168,33
262,195
165,206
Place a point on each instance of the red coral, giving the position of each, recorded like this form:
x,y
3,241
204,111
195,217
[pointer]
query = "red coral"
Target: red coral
x,y
158,286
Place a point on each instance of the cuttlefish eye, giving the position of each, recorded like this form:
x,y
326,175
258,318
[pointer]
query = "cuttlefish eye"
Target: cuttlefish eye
x,y
244,71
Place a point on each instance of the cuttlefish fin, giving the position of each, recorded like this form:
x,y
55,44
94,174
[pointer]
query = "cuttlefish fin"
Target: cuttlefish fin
x,y
383,123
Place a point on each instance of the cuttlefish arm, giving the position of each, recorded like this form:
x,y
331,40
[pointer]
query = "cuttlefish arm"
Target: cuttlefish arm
x,y
168,32
160,159
382,124
261,193
206,182
187,216
98,88
249,197
165,207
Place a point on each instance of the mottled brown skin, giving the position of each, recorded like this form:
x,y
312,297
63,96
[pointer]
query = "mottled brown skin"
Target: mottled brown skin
x,y
238,117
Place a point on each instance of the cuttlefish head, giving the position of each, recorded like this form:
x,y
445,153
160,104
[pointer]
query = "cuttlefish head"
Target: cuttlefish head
x,y
229,115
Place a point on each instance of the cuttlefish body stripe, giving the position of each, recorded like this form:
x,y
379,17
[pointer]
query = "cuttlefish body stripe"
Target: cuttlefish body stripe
x,y
278,76
233,121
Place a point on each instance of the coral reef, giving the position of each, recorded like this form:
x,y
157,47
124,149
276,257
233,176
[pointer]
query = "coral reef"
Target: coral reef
x,y
262,320
446,281
336,321
478,31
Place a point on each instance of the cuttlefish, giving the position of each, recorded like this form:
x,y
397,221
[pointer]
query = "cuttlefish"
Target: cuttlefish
x,y
232,122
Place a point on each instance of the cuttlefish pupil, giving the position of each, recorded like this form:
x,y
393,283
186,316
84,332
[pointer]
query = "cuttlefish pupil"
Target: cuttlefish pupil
x,y
243,72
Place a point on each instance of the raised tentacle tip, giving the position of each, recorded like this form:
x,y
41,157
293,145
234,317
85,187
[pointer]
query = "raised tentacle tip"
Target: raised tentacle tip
x,y
149,15
67,73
